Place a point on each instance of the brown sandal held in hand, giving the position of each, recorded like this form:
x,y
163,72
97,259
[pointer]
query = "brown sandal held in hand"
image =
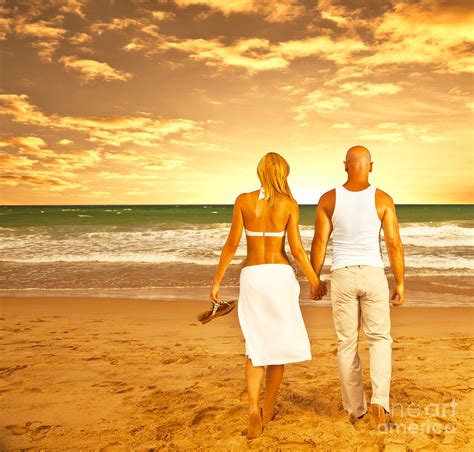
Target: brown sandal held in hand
x,y
220,308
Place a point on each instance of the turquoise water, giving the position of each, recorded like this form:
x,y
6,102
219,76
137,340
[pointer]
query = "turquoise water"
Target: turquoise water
x,y
91,250
137,215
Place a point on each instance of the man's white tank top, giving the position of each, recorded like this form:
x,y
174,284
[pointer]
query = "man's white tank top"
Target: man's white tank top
x,y
356,229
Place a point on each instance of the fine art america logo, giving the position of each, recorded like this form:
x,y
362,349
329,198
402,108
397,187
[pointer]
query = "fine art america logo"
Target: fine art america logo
x,y
434,418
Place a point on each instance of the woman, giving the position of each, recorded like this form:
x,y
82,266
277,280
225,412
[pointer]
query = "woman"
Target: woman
x,y
268,306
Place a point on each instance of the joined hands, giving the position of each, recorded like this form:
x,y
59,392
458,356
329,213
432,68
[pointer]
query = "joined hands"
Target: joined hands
x,y
318,292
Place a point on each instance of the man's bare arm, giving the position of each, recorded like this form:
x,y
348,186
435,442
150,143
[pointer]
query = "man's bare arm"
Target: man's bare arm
x,y
322,231
296,246
394,249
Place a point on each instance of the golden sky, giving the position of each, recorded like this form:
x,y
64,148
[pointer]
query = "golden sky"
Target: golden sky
x,y
175,101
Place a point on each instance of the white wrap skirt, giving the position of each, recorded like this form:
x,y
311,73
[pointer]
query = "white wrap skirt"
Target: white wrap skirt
x,y
270,315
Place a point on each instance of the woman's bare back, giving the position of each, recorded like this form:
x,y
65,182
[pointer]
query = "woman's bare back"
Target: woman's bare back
x,y
258,216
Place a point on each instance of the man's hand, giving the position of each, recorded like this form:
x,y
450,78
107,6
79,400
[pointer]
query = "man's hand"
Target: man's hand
x,y
318,292
398,291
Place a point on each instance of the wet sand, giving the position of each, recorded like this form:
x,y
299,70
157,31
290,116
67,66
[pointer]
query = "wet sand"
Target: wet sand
x,y
120,374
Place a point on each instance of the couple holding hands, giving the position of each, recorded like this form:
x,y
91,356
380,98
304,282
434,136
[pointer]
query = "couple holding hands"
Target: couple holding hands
x,y
268,305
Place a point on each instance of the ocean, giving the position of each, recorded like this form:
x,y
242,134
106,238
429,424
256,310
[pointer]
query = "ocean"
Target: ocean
x,y
149,251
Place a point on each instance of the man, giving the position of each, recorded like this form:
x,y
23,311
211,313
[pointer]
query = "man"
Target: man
x,y
355,213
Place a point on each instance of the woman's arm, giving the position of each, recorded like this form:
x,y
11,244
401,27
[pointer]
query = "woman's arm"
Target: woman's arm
x,y
229,249
297,250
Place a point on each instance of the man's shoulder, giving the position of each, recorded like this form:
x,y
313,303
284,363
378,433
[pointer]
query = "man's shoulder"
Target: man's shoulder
x,y
327,202
328,197
383,197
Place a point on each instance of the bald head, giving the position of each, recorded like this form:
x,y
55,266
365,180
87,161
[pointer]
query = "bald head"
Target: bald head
x,y
358,161
358,154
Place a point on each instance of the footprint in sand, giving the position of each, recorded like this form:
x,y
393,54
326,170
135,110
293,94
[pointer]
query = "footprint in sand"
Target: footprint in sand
x,y
117,387
37,432
41,430
137,429
112,447
205,413
17,429
179,360
165,432
94,358
168,361
18,330
7,371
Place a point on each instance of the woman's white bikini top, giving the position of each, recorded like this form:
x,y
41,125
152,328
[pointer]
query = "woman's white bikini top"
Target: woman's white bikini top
x,y
264,233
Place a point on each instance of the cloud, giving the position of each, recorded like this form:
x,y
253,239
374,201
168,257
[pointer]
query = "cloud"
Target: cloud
x,y
337,14
342,125
38,180
44,35
43,168
124,176
65,141
73,160
80,38
60,160
94,70
115,24
371,135
165,164
6,26
9,162
112,131
149,160
257,54
163,15
74,7
32,146
271,11
40,29
338,51
395,132
292,90
425,32
318,101
367,89
252,54
17,106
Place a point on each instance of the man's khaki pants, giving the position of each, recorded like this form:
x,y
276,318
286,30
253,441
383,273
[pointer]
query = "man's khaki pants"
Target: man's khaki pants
x,y
360,294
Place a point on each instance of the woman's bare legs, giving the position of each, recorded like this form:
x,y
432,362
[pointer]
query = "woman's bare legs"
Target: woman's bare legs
x,y
254,382
272,383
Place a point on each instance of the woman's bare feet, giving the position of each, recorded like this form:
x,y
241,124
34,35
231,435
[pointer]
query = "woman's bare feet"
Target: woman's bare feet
x,y
255,423
267,415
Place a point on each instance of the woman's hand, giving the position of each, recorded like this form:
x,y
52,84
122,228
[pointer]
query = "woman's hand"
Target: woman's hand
x,y
313,291
317,292
215,293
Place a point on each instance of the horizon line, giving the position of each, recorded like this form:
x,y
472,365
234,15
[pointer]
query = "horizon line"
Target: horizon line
x,y
208,204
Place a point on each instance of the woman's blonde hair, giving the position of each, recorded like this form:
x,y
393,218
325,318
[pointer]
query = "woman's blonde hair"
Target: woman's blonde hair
x,y
273,171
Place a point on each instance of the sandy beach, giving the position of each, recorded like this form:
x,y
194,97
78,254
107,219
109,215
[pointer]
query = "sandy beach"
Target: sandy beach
x,y
119,374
